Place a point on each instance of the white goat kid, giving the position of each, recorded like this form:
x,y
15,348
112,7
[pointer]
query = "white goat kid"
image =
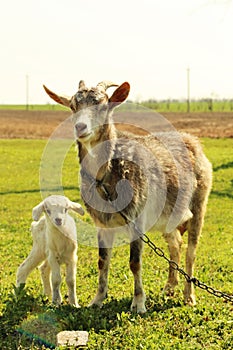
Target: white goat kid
x,y
54,243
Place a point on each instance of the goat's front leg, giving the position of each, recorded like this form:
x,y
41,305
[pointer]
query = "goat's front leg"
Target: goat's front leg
x,y
105,241
138,304
56,278
45,272
71,281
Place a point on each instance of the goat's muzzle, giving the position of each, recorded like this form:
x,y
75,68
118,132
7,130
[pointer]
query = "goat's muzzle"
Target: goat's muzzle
x,y
81,130
58,221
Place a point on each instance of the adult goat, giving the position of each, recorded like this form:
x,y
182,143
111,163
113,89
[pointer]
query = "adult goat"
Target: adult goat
x,y
137,182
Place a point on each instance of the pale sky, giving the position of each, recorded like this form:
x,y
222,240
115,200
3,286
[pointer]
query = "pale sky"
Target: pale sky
x,y
148,43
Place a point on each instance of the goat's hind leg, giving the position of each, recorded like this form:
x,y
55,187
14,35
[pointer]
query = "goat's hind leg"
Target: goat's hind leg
x,y
174,242
189,293
30,263
194,230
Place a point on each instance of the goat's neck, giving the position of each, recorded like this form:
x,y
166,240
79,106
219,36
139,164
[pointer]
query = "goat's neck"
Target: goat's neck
x,y
95,159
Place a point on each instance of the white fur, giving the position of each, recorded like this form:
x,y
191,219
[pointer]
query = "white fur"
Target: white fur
x,y
54,243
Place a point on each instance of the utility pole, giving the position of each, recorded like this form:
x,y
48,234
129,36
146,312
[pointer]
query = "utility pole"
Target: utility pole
x,y
27,92
188,90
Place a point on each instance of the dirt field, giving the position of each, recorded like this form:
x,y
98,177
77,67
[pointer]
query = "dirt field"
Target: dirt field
x,y
41,124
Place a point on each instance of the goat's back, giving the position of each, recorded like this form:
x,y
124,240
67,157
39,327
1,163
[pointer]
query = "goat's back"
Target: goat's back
x,y
168,150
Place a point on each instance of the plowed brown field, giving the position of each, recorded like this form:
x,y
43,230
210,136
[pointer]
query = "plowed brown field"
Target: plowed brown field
x,y
41,124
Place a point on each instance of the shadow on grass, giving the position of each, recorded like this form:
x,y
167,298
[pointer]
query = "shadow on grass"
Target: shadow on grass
x,y
110,315
221,194
27,320
223,166
19,303
58,189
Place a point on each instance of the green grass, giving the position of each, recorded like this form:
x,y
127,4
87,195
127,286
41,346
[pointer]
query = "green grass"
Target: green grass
x,y
168,324
203,105
46,107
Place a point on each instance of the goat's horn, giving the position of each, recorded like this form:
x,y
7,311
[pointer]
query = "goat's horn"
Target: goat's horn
x,y
104,85
81,85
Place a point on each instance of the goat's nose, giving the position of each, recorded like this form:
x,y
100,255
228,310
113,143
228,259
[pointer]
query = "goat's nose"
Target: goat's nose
x,y
80,128
58,221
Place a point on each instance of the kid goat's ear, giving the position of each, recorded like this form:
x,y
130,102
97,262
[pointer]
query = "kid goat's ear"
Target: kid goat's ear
x,y
76,207
119,95
37,211
63,100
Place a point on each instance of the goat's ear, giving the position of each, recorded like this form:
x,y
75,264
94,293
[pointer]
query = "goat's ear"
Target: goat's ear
x,y
37,211
76,207
65,101
119,95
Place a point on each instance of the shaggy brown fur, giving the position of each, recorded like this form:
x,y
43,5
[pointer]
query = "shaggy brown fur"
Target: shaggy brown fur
x,y
161,181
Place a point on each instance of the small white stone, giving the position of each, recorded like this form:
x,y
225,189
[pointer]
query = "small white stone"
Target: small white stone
x,y
72,338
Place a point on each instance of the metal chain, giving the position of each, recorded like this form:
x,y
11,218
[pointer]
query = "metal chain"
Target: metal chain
x,y
159,251
175,266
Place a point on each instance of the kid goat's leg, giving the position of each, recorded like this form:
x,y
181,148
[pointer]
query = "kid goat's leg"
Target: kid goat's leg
x,y
139,298
30,263
71,281
56,278
45,271
174,242
105,241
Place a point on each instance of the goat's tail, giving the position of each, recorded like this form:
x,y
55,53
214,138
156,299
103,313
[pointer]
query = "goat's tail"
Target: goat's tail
x,y
200,199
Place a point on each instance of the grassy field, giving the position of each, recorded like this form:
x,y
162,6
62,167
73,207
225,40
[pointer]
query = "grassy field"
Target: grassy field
x,y
203,105
28,320
46,107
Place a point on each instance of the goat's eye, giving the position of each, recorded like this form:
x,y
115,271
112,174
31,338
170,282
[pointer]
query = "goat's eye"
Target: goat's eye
x,y
48,211
73,106
65,210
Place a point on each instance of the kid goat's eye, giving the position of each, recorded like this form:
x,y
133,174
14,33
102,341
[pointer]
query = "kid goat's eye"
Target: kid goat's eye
x,y
48,211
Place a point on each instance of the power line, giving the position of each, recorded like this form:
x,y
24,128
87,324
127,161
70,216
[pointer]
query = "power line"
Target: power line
x,y
27,92
188,89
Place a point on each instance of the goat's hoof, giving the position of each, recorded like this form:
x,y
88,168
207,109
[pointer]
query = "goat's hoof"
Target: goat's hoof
x,y
56,302
190,300
169,290
138,309
138,306
96,303
20,286
76,305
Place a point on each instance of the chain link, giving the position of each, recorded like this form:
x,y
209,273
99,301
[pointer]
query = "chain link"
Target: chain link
x,y
175,266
